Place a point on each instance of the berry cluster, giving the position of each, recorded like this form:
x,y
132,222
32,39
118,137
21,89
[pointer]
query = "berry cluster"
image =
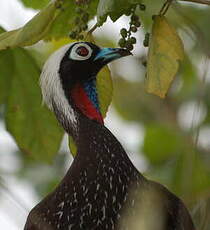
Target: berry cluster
x,y
80,20
127,41
146,40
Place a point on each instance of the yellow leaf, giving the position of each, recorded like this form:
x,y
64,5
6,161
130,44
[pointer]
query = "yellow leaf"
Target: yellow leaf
x,y
165,51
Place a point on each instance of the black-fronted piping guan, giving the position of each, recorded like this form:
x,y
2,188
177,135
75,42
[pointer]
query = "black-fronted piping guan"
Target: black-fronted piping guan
x,y
102,189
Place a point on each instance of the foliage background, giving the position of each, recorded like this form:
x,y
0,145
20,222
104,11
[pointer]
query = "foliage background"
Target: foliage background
x,y
175,146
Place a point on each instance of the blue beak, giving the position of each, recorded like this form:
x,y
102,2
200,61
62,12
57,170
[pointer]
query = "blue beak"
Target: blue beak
x,y
107,55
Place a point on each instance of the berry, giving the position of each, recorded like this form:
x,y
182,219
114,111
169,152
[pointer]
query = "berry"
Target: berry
x,y
128,13
134,18
73,35
77,20
122,42
142,7
80,37
85,17
79,29
146,40
123,32
153,17
132,40
133,29
78,10
144,63
84,27
137,24
129,46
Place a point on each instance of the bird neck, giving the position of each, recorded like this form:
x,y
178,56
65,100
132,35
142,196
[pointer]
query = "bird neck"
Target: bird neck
x,y
85,99
78,104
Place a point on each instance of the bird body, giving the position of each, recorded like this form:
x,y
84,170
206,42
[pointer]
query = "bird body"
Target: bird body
x,y
102,189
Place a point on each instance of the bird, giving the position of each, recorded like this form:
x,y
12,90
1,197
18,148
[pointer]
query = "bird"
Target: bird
x,y
102,188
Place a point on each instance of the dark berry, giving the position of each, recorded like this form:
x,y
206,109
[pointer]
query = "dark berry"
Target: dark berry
x,y
144,63
153,17
133,29
134,18
129,46
78,10
133,40
128,12
79,29
80,37
145,43
73,35
84,27
123,32
77,20
146,40
142,7
85,17
137,24
122,42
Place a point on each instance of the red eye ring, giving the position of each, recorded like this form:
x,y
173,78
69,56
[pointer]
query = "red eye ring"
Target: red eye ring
x,y
82,51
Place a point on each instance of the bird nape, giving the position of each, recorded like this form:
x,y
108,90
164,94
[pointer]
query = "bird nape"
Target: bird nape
x,y
102,189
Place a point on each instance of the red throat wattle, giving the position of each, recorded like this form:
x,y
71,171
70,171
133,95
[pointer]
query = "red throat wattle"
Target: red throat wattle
x,y
84,104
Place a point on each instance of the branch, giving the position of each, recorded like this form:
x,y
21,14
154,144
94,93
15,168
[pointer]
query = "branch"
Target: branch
x,y
205,2
92,29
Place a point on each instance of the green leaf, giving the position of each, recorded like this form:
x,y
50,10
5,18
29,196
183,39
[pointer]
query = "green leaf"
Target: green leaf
x,y
6,73
191,175
171,143
72,146
53,22
114,9
64,22
190,79
32,32
105,90
33,127
7,39
35,4
165,52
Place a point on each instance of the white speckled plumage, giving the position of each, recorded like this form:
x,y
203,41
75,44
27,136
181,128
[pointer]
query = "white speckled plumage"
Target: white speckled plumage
x,y
102,184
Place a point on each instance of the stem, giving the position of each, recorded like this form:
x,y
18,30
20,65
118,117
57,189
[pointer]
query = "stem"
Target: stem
x,y
93,29
165,7
205,2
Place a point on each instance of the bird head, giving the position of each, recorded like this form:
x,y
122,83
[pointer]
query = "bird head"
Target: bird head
x,y
68,78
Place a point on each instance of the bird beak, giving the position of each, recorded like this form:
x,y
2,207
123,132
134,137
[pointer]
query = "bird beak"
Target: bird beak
x,y
107,55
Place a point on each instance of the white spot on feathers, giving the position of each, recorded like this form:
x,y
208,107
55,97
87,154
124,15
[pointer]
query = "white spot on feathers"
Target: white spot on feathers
x,y
60,214
61,205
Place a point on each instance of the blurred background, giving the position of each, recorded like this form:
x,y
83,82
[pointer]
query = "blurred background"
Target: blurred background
x,y
167,140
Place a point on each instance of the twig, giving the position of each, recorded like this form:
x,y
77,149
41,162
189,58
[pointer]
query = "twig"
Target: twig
x,y
205,2
165,7
92,29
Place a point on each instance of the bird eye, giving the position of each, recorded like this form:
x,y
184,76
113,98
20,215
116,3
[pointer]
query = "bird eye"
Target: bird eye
x,y
80,52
